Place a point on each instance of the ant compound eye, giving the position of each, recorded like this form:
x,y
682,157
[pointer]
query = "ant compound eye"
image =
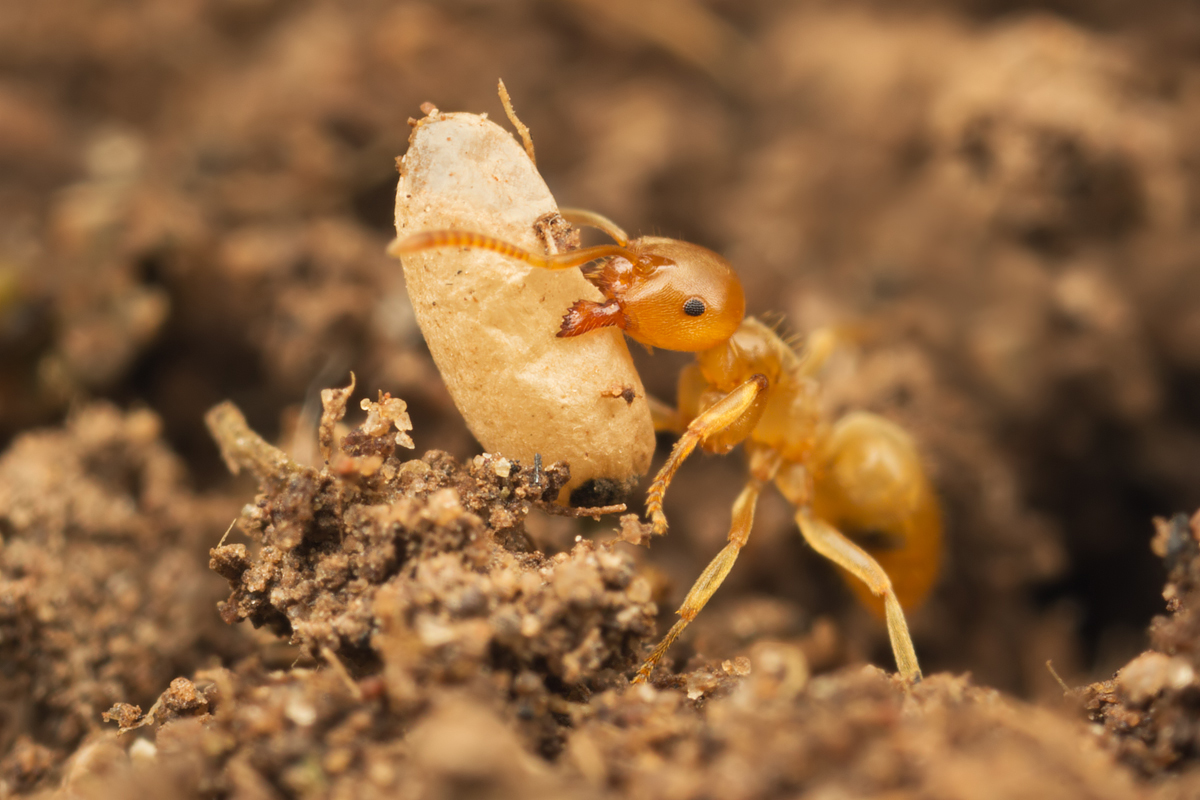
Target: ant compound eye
x,y
694,307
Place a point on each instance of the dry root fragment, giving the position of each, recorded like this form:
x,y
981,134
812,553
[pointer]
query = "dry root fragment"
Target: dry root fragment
x,y
511,113
242,448
333,409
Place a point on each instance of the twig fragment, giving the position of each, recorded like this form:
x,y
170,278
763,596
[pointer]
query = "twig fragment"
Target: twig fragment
x,y
516,121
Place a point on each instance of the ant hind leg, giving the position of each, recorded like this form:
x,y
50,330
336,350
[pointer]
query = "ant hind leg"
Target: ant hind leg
x,y
833,544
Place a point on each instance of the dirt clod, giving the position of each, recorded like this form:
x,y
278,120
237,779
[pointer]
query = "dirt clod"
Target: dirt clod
x,y
1148,709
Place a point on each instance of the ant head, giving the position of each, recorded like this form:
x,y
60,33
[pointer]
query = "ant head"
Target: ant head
x,y
682,297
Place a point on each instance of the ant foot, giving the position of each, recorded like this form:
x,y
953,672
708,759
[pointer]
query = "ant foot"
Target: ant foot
x,y
643,674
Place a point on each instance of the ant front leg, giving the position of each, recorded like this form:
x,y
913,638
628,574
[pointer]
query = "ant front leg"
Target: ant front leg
x,y
833,544
741,406
581,216
763,466
666,418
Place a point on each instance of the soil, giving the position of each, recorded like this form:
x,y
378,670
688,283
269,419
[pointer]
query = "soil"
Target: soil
x,y
999,201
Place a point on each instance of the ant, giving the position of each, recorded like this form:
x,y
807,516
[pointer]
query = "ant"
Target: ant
x,y
862,499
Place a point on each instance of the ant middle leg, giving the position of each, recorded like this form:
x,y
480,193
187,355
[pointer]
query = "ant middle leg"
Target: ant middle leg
x,y
764,465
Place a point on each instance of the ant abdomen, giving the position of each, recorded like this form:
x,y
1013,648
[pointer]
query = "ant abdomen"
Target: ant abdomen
x,y
869,483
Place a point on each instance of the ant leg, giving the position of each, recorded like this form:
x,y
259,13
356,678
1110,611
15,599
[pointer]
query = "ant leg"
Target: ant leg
x,y
666,418
429,240
833,544
818,347
714,574
580,216
868,482
820,344
718,417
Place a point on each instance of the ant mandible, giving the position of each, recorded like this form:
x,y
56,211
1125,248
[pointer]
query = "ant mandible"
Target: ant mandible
x,y
861,496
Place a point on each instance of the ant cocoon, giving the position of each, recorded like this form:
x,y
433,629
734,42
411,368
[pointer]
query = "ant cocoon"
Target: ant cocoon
x,y
490,321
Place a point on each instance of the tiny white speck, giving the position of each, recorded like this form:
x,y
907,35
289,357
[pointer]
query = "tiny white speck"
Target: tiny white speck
x,y
300,712
143,750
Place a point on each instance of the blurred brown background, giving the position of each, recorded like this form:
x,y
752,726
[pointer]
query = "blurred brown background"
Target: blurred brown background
x,y
195,197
